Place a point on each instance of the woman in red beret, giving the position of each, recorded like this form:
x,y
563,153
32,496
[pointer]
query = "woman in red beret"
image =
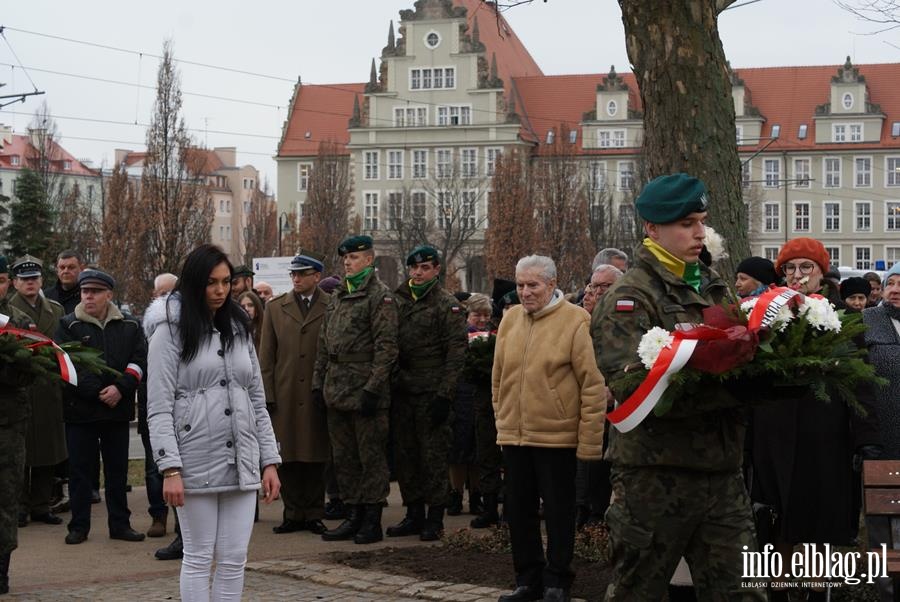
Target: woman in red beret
x,y
803,449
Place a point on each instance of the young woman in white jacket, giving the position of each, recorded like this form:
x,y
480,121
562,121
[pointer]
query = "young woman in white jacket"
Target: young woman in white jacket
x,y
211,435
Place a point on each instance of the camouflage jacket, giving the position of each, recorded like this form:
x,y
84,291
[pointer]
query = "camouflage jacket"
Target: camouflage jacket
x,y
13,408
357,345
432,340
703,430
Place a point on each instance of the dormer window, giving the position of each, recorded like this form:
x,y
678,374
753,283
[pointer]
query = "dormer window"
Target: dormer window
x,y
14,160
573,136
550,136
67,165
612,108
895,129
847,101
776,131
801,133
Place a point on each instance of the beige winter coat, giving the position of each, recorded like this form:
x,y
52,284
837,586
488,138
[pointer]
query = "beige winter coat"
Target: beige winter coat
x,y
547,389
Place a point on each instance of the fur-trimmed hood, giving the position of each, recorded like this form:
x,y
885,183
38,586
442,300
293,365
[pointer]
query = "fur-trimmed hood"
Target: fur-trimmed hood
x,y
163,309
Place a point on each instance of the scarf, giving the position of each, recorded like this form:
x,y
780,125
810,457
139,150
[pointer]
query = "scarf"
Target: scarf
x,y
418,290
354,281
689,272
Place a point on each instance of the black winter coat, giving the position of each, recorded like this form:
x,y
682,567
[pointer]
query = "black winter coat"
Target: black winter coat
x,y
124,349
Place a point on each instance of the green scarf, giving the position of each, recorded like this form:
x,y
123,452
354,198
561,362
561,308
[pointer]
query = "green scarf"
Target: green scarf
x,y
418,290
689,272
355,280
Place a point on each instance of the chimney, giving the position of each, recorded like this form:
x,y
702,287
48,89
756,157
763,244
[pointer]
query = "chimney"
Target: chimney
x,y
37,136
121,155
227,154
6,134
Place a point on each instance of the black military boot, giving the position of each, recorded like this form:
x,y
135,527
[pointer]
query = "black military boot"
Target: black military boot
x,y
411,523
4,573
489,515
335,509
434,524
454,506
370,531
348,528
476,505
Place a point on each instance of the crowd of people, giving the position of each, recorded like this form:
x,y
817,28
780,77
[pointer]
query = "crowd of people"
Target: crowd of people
x,y
318,395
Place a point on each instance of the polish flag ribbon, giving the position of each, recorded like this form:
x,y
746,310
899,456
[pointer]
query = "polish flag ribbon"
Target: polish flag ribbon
x,y
767,307
66,367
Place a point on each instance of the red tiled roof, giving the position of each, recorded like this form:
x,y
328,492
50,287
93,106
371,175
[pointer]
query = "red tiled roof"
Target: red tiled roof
x,y
204,161
21,146
321,110
788,96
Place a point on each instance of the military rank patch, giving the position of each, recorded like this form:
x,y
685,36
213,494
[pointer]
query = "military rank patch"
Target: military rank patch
x,y
625,305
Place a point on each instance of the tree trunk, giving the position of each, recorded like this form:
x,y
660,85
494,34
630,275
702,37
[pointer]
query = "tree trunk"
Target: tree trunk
x,y
679,63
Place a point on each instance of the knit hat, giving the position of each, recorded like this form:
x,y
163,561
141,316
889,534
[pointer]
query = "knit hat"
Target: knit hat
x,y
809,248
894,271
669,198
856,286
758,268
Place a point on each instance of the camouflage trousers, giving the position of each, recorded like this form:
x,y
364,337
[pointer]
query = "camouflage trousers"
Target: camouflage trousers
x,y
488,457
359,449
12,466
420,451
660,514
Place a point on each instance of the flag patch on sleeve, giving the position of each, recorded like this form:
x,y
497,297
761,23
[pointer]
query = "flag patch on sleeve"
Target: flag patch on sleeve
x,y
625,305
388,300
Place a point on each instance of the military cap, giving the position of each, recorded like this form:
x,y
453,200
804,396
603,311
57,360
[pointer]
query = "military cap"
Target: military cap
x,y
4,265
354,244
308,260
93,277
669,198
423,253
27,267
242,271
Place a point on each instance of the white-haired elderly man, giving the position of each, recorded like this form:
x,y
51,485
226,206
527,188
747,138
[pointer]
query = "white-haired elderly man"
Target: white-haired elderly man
x,y
550,403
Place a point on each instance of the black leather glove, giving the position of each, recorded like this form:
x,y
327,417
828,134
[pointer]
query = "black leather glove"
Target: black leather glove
x,y
318,398
866,452
438,411
369,404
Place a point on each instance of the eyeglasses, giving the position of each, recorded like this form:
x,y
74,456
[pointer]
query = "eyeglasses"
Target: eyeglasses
x,y
601,286
805,268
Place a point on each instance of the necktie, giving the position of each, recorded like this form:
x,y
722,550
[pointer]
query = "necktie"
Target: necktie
x,y
306,303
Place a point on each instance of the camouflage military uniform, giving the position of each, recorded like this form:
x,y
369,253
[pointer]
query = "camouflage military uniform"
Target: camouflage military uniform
x,y
356,353
432,341
14,415
677,485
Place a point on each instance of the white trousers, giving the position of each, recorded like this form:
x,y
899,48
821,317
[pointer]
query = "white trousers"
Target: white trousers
x,y
215,526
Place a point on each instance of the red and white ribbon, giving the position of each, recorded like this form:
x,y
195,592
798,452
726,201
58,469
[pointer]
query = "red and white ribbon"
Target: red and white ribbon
x,y
66,367
767,307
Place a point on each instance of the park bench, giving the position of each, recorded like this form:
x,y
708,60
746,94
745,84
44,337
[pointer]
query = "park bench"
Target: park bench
x,y
881,497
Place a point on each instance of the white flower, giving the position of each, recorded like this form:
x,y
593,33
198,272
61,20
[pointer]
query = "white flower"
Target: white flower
x,y
652,343
782,319
748,305
820,314
715,244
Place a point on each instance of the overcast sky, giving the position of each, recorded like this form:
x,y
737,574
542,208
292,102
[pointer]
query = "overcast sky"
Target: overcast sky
x,y
326,41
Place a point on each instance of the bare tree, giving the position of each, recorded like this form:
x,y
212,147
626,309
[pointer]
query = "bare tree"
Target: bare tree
x,y
326,213
884,14
78,224
290,241
511,233
174,194
261,232
124,242
613,221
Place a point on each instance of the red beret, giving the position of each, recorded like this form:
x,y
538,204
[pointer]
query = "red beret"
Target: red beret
x,y
809,248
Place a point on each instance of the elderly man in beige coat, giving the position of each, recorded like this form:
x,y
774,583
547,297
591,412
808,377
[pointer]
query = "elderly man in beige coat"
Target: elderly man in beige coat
x,y
287,355
550,405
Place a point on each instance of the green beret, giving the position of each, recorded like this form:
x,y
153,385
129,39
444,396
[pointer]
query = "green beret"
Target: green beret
x,y
4,265
669,198
423,253
242,271
354,244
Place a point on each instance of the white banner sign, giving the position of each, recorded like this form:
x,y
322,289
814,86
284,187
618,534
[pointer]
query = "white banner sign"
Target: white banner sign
x,y
275,271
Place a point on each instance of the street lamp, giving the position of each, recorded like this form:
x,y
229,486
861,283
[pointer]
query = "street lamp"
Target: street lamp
x,y
282,225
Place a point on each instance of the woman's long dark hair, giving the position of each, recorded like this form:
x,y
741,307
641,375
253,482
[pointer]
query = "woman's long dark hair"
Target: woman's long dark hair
x,y
195,323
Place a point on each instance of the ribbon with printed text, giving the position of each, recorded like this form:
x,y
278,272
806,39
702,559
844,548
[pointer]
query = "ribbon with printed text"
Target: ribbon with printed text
x,y
66,367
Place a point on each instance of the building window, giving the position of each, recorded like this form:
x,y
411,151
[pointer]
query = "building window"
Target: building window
x,y
419,208
303,176
370,159
221,232
432,39
863,258
856,133
892,171
444,208
847,101
772,170
415,79
454,115
490,162
832,171
395,164
14,160
802,131
470,209
771,217
90,194
611,138
612,108
801,173
863,213
626,214
370,209
771,253
832,213
801,217
444,163
740,134
221,205
892,216
67,165
745,173
892,255
469,162
432,79
834,255
862,170
626,175
410,116
228,232
420,163
838,133
598,175
394,210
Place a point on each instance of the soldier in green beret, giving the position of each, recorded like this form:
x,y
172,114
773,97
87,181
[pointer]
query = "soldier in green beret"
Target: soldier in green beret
x,y
356,353
432,341
677,483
